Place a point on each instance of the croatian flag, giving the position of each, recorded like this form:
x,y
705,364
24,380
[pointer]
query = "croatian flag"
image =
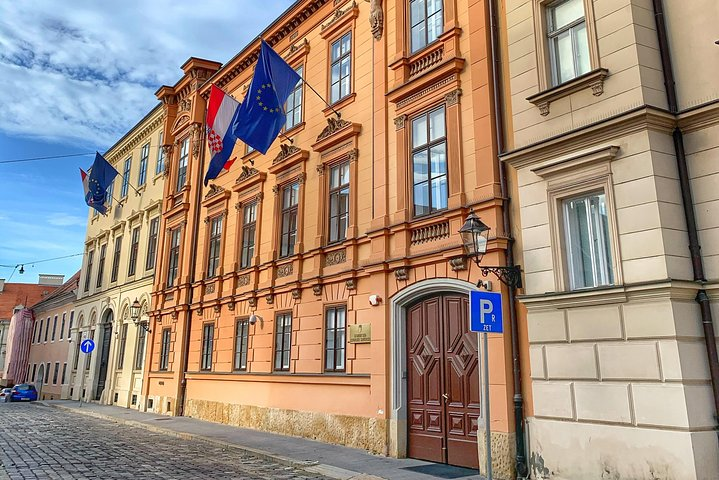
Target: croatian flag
x,y
221,111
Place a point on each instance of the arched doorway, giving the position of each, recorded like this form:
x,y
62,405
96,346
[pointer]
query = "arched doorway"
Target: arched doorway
x,y
104,353
436,391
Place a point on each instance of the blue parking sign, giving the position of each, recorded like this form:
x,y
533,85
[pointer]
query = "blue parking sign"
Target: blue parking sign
x,y
485,312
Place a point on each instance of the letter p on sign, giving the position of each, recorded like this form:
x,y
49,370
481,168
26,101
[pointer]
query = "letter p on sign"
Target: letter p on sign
x,y
485,312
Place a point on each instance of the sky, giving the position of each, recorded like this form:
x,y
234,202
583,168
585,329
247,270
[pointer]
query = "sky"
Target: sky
x,y
75,76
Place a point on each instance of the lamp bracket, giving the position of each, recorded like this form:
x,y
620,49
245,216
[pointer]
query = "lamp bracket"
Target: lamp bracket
x,y
510,276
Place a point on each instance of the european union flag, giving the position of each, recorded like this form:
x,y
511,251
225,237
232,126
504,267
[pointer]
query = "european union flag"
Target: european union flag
x,y
101,175
261,115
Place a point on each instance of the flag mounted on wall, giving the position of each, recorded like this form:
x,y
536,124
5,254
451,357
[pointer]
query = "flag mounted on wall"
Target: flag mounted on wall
x,y
95,183
261,115
221,112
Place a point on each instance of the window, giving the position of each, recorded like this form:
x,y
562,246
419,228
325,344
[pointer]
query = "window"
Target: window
x,y
88,273
283,340
55,373
208,331
335,323
62,327
293,107
568,40
339,201
116,259
341,70
64,373
88,356
47,329
35,338
426,23
39,333
54,329
140,352
77,351
249,223
213,258
174,257
34,371
47,373
165,349
160,165
101,266
109,193
123,346
152,243
125,178
586,235
144,158
290,197
69,328
242,328
182,165
429,162
134,246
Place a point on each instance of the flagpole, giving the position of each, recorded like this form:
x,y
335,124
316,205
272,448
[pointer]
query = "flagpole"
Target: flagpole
x,y
321,97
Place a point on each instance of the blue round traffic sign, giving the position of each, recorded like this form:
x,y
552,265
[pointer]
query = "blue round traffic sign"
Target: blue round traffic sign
x,y
87,346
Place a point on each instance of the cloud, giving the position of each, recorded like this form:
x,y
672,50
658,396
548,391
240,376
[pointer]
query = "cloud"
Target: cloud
x,y
65,220
86,72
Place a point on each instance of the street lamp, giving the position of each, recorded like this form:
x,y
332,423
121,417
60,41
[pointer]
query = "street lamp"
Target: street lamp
x,y
475,234
135,315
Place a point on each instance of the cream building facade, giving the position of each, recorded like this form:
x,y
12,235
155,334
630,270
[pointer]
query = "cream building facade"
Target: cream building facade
x,y
619,309
118,268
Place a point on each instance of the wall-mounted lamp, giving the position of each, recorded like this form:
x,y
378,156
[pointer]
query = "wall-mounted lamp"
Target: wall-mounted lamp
x,y
135,316
475,234
375,300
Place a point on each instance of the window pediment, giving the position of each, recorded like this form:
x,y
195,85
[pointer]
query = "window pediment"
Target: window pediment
x,y
289,156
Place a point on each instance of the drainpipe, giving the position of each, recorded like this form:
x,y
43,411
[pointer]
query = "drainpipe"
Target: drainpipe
x,y
688,203
521,456
193,254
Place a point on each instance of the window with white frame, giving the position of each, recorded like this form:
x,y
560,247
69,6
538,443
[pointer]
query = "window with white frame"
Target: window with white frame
x,y
288,233
283,341
429,162
341,68
160,164
335,324
293,107
152,243
249,225
125,178
134,247
174,259
182,164
568,40
426,23
587,241
144,158
213,256
339,202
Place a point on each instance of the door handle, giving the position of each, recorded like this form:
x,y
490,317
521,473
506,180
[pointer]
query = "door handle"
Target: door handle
x,y
445,396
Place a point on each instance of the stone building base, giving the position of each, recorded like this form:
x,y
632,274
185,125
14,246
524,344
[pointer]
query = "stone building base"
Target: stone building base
x,y
503,461
358,432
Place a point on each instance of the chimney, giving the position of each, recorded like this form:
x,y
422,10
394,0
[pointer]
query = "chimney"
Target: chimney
x,y
50,280
2,284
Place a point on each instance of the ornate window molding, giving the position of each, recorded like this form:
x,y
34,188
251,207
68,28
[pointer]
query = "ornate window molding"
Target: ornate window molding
x,y
593,80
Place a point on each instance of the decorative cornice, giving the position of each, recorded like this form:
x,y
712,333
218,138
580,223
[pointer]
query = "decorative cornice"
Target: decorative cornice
x,y
286,151
214,191
338,15
116,154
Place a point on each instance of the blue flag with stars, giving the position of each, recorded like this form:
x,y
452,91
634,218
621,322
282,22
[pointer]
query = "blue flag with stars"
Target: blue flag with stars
x,y
261,115
100,176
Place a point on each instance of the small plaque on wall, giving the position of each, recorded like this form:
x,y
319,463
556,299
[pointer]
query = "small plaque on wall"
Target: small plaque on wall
x,y
361,333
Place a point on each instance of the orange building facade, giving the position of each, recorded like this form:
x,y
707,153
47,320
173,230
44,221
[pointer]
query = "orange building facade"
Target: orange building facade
x,y
321,290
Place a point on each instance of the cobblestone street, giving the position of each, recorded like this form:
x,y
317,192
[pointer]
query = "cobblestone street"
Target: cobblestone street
x,y
42,442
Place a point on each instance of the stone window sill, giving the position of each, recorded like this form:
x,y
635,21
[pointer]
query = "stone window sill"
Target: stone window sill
x,y
593,80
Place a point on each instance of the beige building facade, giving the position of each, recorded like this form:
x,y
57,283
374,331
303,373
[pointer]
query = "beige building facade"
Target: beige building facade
x,y
618,307
118,268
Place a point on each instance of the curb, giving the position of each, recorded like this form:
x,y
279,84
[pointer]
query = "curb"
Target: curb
x,y
307,465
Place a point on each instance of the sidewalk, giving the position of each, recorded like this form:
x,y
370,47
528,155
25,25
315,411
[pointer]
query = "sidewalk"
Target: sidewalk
x,y
333,461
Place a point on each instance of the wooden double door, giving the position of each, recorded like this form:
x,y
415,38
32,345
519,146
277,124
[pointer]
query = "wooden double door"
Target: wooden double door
x,y
442,381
